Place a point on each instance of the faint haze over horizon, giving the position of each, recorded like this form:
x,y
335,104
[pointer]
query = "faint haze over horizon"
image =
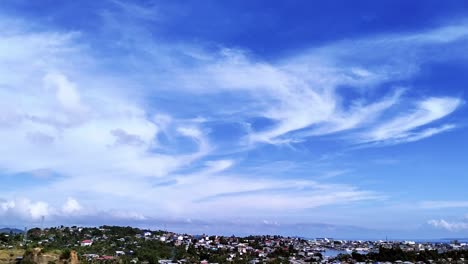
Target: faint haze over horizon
x,y
315,119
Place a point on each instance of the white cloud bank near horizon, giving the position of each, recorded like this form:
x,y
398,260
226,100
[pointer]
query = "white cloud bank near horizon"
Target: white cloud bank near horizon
x,y
452,226
61,111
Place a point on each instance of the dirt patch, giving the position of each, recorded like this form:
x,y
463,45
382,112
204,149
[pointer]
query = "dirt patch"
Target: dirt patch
x,y
39,257
73,257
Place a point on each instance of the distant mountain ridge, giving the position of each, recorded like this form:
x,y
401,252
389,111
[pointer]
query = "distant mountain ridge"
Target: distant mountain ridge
x,y
11,230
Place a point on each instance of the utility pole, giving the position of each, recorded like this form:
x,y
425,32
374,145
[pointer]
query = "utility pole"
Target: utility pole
x,y
25,236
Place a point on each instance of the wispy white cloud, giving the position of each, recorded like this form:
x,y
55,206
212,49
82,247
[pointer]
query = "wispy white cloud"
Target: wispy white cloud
x,y
218,165
213,194
148,12
303,95
403,128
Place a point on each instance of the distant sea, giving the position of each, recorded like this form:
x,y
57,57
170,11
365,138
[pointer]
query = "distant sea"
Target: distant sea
x,y
419,240
426,240
331,253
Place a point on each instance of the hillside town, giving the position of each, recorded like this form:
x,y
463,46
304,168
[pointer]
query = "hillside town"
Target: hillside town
x,y
112,244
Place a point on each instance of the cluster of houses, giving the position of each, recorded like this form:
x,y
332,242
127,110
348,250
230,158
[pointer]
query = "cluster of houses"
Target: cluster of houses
x,y
258,249
319,250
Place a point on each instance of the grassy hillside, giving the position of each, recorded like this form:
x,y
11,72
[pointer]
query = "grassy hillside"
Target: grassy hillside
x,y
9,255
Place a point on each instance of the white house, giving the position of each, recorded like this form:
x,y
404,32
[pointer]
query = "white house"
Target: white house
x,y
85,243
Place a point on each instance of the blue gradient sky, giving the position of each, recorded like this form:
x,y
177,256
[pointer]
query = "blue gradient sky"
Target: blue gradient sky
x,y
331,118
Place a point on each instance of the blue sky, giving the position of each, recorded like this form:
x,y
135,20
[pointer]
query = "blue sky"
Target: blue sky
x,y
332,118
